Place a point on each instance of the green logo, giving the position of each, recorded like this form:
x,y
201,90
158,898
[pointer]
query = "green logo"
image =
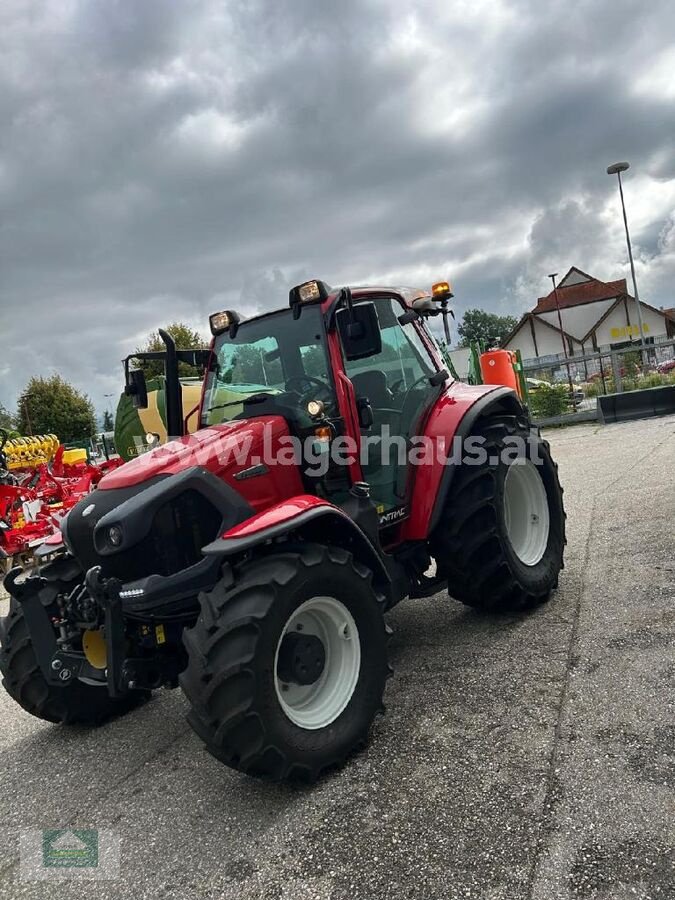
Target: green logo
x,y
70,848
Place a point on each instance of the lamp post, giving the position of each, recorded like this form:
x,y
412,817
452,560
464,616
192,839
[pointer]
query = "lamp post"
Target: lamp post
x,y
562,333
27,413
617,169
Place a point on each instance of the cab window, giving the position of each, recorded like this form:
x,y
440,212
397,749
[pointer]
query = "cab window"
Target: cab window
x,y
395,382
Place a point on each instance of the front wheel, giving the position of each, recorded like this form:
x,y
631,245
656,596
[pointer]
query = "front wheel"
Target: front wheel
x,y
501,537
74,704
287,663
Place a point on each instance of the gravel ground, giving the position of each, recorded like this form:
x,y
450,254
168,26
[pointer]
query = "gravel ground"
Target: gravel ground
x,y
523,758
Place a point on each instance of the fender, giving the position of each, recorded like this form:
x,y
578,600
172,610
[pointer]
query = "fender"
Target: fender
x,y
454,415
295,515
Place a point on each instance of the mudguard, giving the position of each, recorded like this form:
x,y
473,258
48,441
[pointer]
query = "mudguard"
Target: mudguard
x,y
452,418
295,515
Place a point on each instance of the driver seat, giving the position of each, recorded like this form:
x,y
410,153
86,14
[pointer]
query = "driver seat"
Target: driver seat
x,y
373,387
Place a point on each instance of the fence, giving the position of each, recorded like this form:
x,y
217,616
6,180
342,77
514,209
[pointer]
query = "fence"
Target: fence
x,y
566,390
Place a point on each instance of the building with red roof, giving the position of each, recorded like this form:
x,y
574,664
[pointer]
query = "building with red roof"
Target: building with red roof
x,y
595,315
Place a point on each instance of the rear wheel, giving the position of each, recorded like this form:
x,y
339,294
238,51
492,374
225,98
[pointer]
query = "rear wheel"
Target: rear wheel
x,y
501,537
287,663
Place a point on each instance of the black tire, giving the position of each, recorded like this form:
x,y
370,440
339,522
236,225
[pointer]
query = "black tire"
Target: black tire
x,y
74,704
229,679
470,543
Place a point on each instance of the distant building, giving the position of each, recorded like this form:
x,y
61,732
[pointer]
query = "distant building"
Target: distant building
x,y
596,315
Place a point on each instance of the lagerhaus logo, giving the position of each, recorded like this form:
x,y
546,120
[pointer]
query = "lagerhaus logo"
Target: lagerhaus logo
x,y
70,848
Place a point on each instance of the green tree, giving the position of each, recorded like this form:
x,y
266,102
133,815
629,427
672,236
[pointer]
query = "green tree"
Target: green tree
x,y
250,364
631,363
488,328
314,361
7,420
52,406
108,421
186,339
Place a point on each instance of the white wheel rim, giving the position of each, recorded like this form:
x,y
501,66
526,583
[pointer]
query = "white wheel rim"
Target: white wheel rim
x,y
526,514
316,705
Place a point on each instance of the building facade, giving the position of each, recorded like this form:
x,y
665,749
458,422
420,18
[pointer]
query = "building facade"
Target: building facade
x,y
595,315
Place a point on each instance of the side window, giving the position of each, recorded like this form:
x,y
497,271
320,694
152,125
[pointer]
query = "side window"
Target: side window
x,y
403,359
413,355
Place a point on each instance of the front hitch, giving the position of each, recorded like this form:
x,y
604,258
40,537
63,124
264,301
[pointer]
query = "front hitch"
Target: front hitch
x,y
106,592
58,665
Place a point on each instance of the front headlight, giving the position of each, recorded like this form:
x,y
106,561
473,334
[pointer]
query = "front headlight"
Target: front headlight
x,y
115,535
315,408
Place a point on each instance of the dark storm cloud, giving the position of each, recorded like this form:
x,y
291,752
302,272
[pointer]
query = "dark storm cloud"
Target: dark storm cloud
x,y
159,160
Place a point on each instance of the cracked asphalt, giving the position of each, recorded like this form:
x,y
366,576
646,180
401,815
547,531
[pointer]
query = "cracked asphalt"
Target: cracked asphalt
x,y
529,757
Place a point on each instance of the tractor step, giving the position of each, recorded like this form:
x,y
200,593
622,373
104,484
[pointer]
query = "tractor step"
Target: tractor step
x,y
427,587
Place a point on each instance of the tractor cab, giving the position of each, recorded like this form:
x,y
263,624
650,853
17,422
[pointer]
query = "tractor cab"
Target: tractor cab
x,y
355,365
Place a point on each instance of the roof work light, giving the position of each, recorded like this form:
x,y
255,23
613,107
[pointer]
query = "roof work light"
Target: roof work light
x,y
223,321
310,292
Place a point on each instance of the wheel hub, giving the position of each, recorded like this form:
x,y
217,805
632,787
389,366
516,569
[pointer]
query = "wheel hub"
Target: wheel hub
x,y
317,662
302,658
526,514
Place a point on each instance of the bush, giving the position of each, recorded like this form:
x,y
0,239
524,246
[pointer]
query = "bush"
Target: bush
x,y
628,383
549,400
655,379
592,388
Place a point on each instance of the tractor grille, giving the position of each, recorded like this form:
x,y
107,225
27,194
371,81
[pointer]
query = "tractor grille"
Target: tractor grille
x,y
179,529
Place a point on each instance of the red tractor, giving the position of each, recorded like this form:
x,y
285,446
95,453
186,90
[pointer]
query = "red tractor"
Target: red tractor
x,y
338,469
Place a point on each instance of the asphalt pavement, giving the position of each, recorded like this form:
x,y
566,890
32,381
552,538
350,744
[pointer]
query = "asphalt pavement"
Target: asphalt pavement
x,y
529,757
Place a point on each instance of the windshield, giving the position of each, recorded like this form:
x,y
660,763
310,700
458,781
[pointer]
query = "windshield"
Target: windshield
x,y
273,355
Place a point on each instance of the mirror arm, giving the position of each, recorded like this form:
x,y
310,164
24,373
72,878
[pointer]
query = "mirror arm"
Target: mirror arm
x,y
347,295
446,328
439,377
408,316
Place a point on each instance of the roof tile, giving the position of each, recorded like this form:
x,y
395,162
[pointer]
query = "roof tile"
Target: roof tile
x,y
578,294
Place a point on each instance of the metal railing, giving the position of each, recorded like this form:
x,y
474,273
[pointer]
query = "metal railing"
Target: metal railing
x,y
565,390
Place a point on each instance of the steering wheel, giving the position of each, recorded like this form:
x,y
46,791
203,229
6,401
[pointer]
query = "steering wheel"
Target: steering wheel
x,y
411,389
305,383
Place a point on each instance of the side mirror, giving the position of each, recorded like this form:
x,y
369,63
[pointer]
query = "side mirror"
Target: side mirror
x,y
136,388
359,330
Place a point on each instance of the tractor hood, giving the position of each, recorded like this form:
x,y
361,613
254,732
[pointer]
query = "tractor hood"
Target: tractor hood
x,y
170,502
220,449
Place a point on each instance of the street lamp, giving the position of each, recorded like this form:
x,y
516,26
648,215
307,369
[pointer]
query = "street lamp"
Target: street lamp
x,y
27,414
617,169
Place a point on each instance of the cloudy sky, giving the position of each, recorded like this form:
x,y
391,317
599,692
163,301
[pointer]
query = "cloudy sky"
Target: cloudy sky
x,y
160,159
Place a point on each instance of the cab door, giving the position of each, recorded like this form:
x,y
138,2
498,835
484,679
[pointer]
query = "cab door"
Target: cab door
x,y
395,383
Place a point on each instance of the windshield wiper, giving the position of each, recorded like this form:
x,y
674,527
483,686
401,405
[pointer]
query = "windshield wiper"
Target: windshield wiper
x,y
254,398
